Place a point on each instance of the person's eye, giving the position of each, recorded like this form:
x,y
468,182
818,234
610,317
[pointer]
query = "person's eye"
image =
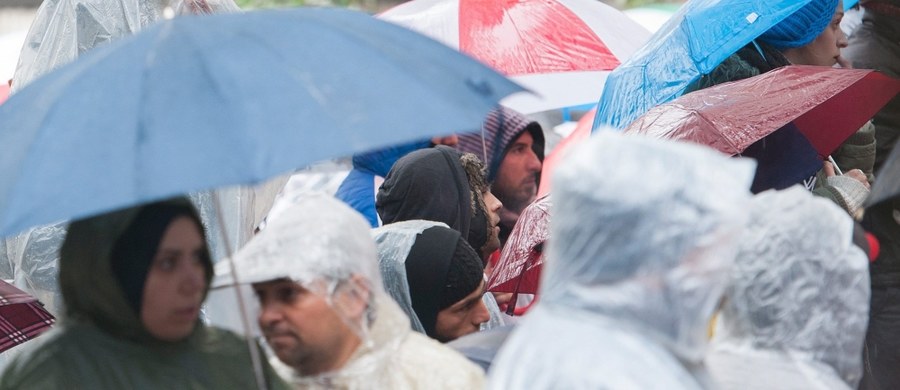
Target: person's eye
x,y
288,294
201,257
167,263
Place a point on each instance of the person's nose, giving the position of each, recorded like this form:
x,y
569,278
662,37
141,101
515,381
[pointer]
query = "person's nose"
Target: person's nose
x,y
268,315
533,163
482,314
842,41
493,203
194,280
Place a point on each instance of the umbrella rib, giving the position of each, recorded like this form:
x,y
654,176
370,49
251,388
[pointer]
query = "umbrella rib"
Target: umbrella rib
x,y
734,149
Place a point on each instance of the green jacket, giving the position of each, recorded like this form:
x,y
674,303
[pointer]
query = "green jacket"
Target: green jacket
x,y
102,344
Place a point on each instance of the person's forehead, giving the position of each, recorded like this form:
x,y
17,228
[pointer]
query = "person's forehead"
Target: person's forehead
x,y
474,294
524,137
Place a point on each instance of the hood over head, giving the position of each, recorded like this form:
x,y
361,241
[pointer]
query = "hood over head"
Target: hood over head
x,y
104,262
501,127
799,287
439,268
317,242
429,184
644,234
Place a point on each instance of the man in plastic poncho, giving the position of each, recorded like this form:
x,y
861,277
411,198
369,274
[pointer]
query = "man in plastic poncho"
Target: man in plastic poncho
x,y
638,261
796,311
325,314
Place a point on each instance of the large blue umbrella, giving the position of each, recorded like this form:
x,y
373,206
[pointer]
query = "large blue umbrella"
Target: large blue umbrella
x,y
692,43
200,102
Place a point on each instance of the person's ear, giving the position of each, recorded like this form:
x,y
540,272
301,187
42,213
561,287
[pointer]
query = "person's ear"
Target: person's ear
x,y
355,297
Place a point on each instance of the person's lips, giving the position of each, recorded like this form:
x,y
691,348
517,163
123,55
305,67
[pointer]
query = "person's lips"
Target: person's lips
x,y
277,339
187,313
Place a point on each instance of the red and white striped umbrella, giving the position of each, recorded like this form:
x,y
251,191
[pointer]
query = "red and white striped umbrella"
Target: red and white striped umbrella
x,y
561,49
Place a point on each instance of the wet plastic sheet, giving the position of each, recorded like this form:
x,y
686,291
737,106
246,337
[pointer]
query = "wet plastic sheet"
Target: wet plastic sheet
x,y
394,242
64,29
827,105
643,237
796,312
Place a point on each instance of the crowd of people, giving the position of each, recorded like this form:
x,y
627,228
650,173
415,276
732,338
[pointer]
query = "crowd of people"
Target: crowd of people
x,y
667,264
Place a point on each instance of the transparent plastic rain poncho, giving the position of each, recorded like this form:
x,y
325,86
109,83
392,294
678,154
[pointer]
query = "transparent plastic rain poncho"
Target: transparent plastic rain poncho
x,y
644,233
319,243
796,312
394,242
64,29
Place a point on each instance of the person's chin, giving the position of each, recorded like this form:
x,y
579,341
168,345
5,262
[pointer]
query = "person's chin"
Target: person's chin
x,y
281,342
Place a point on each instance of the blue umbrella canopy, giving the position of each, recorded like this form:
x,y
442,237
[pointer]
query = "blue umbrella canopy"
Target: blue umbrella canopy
x,y
693,42
201,102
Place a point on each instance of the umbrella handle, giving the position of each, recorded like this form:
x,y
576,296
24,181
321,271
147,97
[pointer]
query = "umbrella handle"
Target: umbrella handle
x,y
834,164
251,344
511,307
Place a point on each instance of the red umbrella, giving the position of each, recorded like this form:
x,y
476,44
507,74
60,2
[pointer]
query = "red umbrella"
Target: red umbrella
x,y
22,317
581,133
519,268
561,49
826,105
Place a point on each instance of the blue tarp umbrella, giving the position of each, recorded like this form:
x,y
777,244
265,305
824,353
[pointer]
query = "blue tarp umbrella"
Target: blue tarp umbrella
x,y
201,102
693,42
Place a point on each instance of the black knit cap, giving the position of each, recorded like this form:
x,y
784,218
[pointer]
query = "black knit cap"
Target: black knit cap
x,y
441,269
135,249
464,276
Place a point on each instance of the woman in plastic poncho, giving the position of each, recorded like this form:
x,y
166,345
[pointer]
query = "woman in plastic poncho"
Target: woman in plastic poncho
x,y
795,314
133,282
644,232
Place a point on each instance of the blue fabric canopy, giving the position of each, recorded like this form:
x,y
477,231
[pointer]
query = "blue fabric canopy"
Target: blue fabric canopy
x,y
693,42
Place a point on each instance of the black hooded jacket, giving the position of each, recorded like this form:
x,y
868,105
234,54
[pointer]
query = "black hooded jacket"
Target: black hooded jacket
x,y
428,184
